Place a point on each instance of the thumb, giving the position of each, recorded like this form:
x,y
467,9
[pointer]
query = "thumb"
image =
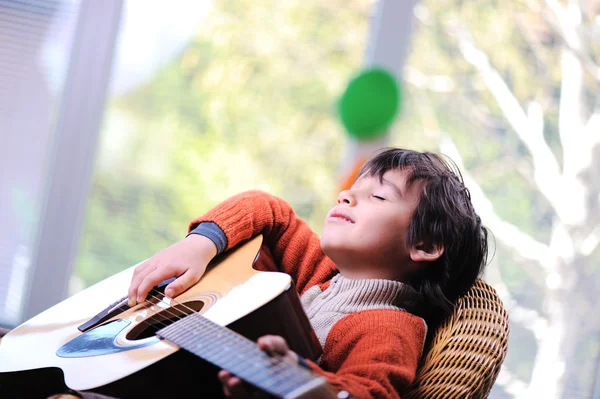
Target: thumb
x,y
182,283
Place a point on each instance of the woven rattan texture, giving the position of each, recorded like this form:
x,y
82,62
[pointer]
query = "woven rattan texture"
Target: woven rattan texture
x,y
467,350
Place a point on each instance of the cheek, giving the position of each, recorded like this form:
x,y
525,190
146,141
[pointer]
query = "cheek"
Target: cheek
x,y
388,232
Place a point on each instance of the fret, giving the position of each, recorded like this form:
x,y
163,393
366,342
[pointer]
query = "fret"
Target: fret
x,y
214,344
290,386
272,382
229,350
278,389
258,366
227,355
274,372
308,387
283,390
245,359
188,338
292,382
184,334
200,335
264,374
224,349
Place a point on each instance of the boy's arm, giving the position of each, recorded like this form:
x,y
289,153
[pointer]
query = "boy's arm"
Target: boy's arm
x,y
374,355
295,247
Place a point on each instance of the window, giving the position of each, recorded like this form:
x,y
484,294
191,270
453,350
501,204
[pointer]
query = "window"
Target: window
x,y
35,43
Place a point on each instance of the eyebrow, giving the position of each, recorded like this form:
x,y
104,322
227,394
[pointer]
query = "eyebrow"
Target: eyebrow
x,y
396,188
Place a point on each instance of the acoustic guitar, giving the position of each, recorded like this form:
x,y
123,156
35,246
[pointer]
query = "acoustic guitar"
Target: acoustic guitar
x,y
167,348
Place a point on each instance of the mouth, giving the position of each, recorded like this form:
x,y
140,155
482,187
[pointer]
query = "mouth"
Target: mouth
x,y
339,216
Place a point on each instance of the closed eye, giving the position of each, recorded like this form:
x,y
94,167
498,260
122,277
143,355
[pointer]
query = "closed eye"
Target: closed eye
x,y
378,197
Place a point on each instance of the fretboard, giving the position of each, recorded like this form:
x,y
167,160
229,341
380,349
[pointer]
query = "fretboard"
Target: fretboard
x,y
233,352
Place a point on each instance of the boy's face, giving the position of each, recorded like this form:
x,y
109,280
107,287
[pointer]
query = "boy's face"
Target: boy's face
x,y
365,233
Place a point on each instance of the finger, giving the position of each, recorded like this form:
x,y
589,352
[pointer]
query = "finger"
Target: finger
x,y
182,283
143,265
273,344
237,388
152,279
232,386
136,279
224,377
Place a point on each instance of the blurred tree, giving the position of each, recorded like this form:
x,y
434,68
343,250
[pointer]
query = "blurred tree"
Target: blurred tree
x,y
510,91
248,104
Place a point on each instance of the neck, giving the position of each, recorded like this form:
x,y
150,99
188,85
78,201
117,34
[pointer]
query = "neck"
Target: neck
x,y
373,271
357,267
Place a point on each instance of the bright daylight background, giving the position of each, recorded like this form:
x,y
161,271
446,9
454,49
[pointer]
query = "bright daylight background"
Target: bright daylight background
x,y
208,99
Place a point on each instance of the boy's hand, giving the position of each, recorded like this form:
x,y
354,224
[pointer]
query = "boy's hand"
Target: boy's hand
x,y
274,345
186,259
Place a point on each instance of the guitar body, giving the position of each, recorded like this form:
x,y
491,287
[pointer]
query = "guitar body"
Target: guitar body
x,y
122,357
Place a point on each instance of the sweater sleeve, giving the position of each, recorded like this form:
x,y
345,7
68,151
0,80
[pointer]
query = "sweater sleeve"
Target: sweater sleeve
x,y
294,246
373,354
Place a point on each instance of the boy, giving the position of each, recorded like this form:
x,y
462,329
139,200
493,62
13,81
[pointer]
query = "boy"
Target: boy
x,y
395,253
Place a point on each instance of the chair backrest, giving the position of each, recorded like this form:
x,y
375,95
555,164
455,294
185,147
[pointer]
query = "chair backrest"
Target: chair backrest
x,y
467,350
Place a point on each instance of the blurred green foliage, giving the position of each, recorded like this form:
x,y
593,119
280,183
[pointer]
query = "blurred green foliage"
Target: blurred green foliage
x,y
248,104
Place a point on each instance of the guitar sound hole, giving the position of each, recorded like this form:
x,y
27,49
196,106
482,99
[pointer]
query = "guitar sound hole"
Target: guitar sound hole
x,y
148,327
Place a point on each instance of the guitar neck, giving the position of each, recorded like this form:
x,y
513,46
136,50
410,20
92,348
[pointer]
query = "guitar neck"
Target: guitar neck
x,y
233,352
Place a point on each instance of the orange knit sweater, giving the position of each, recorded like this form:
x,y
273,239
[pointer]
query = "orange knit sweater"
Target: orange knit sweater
x,y
370,353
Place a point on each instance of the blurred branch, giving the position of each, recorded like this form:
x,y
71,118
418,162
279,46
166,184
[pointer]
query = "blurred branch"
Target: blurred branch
x,y
525,245
445,84
565,36
435,83
591,132
512,385
529,127
590,243
571,104
529,319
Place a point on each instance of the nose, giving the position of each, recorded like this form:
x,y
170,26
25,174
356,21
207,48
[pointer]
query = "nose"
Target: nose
x,y
346,197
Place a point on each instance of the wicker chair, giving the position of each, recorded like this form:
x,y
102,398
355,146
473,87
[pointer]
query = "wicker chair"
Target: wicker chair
x,y
467,350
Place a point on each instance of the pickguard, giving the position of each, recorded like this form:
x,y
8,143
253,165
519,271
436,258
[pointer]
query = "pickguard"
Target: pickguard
x,y
100,341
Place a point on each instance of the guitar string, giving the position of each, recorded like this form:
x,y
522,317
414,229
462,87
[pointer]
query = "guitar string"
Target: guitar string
x,y
276,368
154,318
279,357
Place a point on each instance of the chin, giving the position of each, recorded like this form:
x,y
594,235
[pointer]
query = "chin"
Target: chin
x,y
327,246
335,251
324,245
329,239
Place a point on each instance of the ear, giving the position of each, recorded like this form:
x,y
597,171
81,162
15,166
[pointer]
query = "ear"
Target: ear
x,y
425,252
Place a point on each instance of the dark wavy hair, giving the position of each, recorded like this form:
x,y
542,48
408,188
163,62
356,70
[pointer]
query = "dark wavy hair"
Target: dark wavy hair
x,y
444,216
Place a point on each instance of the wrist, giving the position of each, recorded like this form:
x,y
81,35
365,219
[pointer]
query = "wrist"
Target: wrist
x,y
213,232
205,245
